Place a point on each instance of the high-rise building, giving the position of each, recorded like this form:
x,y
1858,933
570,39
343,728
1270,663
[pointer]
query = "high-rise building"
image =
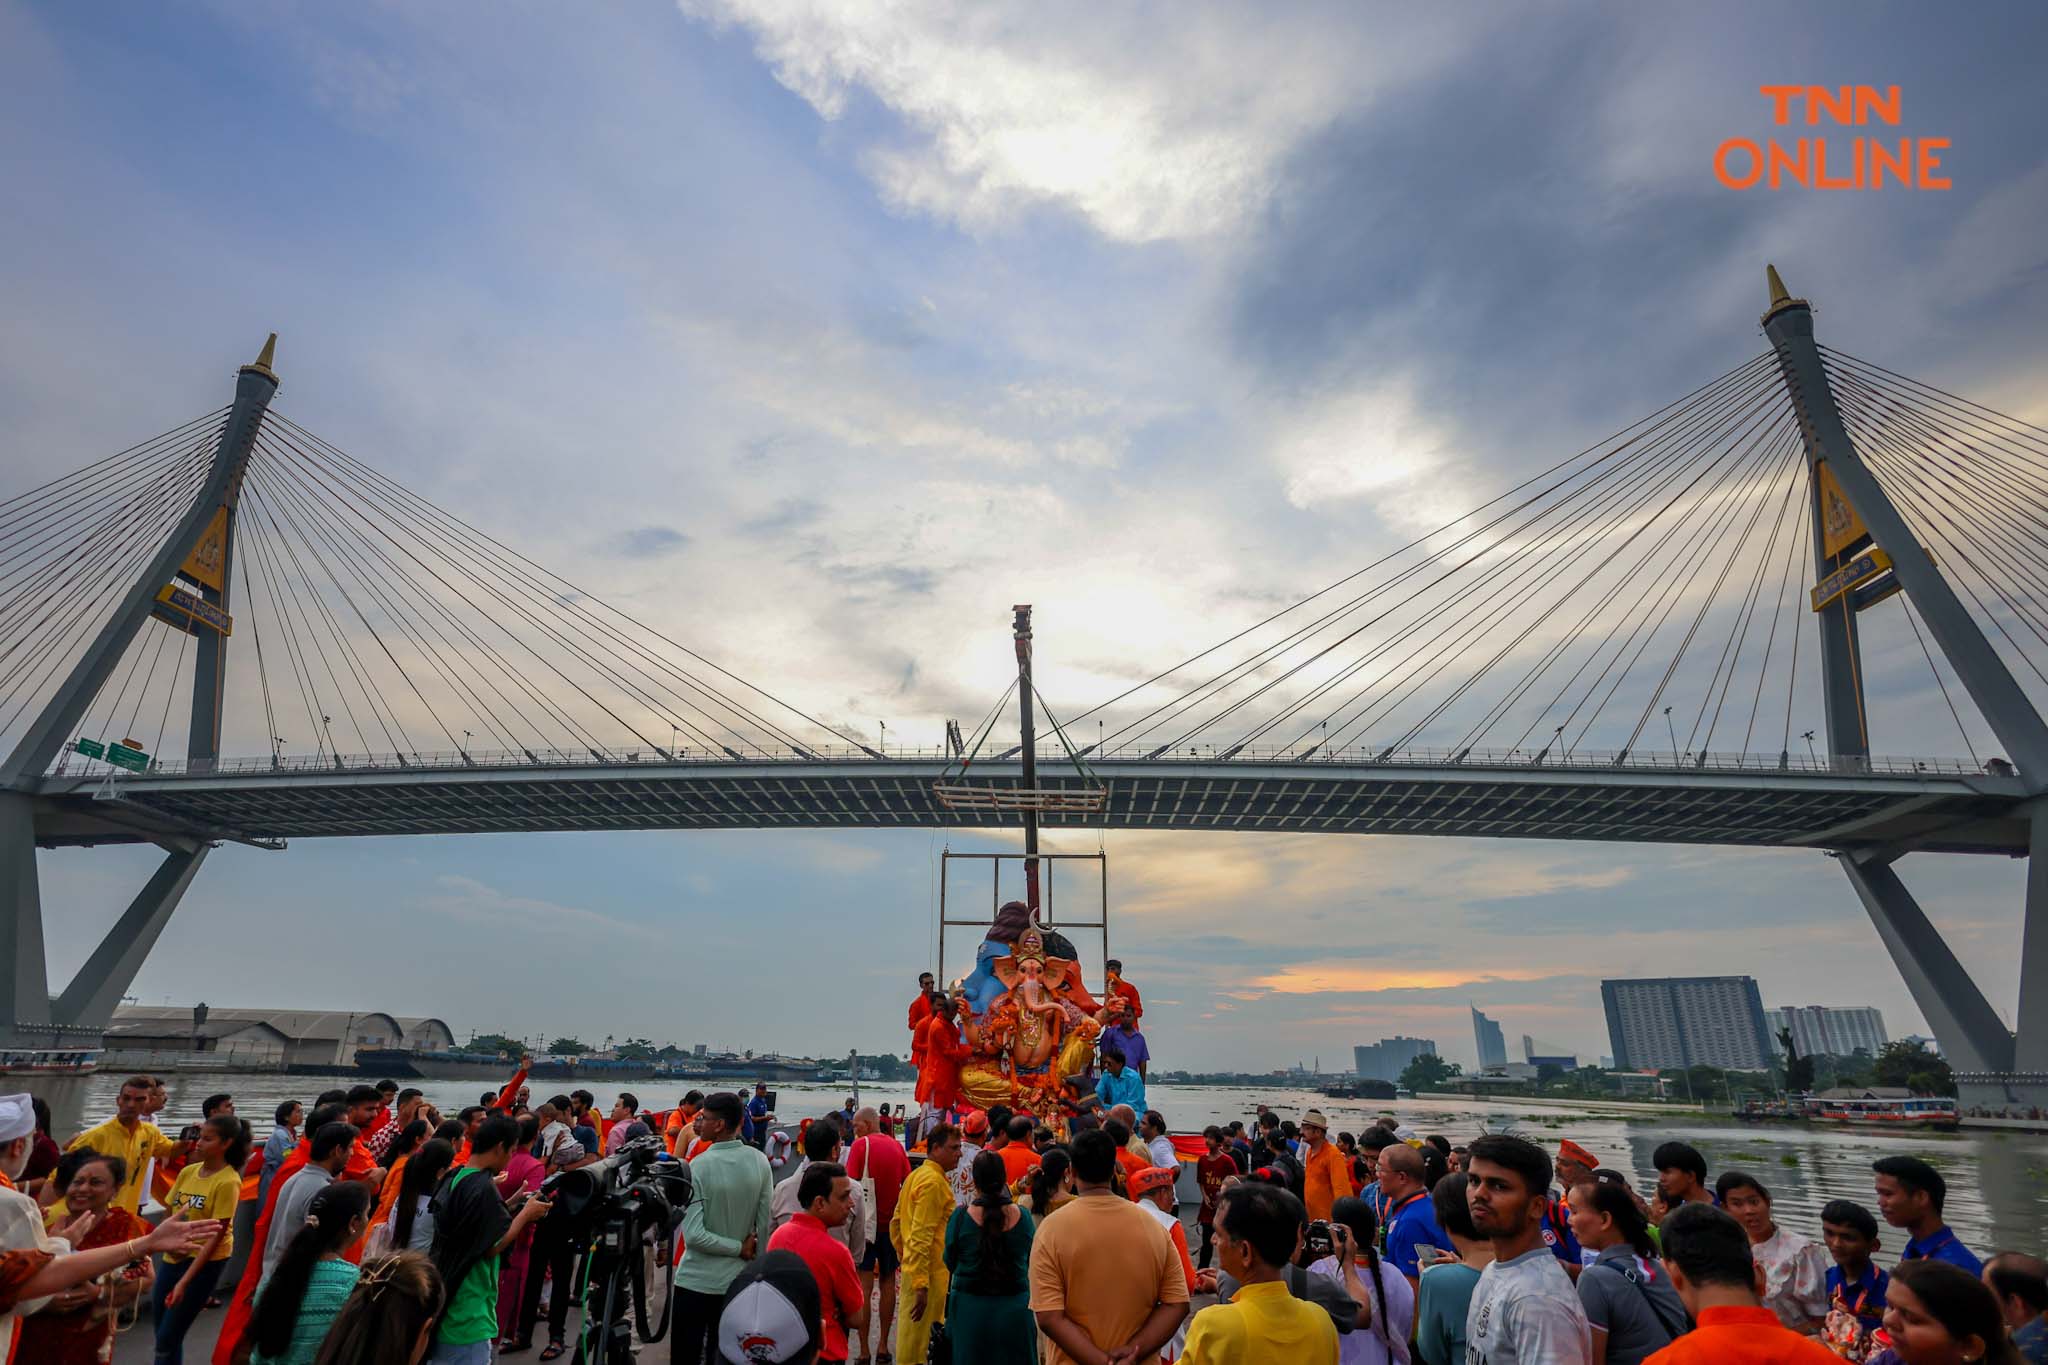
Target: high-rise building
x,y
1837,1029
1486,1035
1538,1053
1389,1057
1676,1021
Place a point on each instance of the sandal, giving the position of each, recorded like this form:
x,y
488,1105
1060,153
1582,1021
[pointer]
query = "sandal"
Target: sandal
x,y
555,1351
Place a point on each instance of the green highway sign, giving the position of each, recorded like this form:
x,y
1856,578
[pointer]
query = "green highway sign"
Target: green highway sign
x,y
92,748
122,756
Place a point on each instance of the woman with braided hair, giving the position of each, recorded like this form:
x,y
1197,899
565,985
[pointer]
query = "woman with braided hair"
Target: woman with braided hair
x,y
389,1316
306,1291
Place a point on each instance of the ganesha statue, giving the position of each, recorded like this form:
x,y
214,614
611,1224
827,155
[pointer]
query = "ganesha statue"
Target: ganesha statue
x,y
1027,1020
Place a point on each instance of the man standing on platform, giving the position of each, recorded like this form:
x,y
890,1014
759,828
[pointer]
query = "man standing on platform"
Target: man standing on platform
x,y
1118,1083
942,1050
921,1008
1133,1006
1121,1032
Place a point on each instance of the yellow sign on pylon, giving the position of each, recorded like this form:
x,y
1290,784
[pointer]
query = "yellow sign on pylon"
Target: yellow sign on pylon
x,y
1840,527
208,559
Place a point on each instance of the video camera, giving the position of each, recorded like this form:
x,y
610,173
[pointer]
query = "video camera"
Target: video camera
x,y
640,1179
625,1209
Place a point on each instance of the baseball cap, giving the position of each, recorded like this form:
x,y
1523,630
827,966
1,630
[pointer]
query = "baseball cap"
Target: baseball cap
x,y
771,1313
975,1124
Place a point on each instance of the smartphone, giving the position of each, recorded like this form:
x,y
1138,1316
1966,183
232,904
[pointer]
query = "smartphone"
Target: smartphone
x,y
1425,1254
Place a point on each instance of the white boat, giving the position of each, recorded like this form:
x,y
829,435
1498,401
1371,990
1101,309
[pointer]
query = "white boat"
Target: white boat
x,y
49,1061
1909,1111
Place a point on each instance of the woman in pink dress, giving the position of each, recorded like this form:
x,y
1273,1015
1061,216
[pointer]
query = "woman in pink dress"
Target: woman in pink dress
x,y
521,1176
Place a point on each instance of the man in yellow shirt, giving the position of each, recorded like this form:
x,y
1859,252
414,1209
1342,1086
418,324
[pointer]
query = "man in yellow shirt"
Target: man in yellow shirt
x,y
127,1136
1258,1230
918,1230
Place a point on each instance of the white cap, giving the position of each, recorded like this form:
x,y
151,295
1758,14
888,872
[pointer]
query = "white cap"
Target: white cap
x,y
771,1313
17,1117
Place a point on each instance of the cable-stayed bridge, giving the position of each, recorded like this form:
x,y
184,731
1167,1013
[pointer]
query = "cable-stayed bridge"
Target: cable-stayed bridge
x,y
237,631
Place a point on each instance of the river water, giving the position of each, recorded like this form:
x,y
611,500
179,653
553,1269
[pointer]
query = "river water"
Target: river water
x,y
1997,1182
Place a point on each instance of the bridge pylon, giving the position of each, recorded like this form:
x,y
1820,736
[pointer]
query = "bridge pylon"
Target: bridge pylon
x,y
1864,552
197,557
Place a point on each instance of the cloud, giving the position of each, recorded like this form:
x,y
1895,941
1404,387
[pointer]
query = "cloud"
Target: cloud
x,y
1151,122
477,903
1322,979
651,542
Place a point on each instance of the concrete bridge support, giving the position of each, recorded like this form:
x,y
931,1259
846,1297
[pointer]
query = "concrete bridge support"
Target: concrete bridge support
x,y
29,1019
1995,1069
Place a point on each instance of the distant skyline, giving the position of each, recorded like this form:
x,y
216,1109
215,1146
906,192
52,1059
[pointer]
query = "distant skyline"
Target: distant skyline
x,y
818,337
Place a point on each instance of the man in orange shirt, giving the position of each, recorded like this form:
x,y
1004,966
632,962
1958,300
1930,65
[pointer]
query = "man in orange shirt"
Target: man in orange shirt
x,y
942,1050
1326,1175
1131,1162
1134,1007
682,1119
1706,1253
1019,1160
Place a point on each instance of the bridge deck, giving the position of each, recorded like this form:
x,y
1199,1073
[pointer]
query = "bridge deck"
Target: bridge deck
x,y
1749,805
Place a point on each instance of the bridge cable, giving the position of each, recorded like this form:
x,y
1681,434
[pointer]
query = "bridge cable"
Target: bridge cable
x,y
1616,502
1678,403
471,535
1439,581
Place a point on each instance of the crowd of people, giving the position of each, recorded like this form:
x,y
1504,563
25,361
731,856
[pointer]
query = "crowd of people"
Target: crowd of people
x,y
386,1231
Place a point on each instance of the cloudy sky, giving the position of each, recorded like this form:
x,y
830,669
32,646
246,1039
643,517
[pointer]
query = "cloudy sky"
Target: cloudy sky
x,y
820,333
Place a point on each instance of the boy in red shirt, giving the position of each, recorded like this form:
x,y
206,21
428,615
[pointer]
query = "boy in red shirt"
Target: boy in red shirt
x,y
1212,1168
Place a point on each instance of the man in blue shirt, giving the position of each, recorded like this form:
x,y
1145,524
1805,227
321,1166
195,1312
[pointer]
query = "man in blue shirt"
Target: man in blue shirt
x,y
2020,1282
759,1116
1122,1034
1910,1194
1411,1218
1118,1084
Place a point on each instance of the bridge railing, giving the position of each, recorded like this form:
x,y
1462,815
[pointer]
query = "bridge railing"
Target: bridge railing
x,y
1582,761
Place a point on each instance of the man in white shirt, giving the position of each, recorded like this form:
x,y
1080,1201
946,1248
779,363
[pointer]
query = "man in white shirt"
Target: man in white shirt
x,y
1158,1145
821,1143
1524,1310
